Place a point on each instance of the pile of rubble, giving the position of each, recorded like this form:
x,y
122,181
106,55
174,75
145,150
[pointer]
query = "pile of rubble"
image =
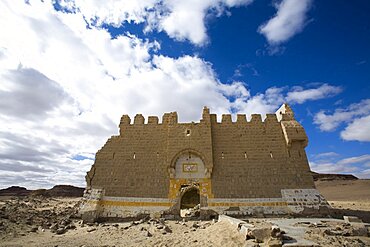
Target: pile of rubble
x,y
310,232
22,215
191,212
150,226
339,233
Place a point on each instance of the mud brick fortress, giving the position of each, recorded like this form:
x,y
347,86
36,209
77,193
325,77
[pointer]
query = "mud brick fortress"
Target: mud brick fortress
x,y
238,168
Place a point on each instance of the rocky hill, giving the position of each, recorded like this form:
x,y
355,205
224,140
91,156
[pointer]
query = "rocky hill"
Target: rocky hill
x,y
330,177
56,191
15,191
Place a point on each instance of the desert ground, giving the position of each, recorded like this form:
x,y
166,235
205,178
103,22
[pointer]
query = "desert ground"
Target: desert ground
x,y
351,194
53,221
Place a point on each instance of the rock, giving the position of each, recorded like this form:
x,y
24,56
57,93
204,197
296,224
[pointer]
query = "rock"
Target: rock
x,y
359,231
251,243
286,237
275,232
54,227
34,229
274,242
91,229
71,226
159,226
260,234
167,229
352,219
195,225
60,231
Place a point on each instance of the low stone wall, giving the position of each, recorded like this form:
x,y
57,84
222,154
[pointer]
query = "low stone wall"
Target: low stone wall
x,y
304,201
251,206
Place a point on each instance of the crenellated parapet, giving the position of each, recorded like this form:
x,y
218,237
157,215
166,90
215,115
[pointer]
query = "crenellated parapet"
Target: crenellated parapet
x,y
139,119
283,114
170,118
153,120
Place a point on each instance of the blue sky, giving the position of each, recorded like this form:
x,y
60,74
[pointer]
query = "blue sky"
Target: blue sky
x,y
69,69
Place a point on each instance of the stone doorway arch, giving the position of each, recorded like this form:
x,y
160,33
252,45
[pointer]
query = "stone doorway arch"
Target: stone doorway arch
x,y
190,199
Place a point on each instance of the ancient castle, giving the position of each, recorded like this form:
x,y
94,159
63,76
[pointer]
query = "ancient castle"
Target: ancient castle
x,y
241,168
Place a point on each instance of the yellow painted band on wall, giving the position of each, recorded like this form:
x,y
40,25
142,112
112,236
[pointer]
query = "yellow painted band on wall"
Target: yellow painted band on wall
x,y
247,204
131,204
169,204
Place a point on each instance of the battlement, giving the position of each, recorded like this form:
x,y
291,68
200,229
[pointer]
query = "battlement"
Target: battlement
x,y
284,113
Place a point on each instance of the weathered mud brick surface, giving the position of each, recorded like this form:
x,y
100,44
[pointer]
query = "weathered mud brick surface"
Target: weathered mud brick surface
x,y
242,167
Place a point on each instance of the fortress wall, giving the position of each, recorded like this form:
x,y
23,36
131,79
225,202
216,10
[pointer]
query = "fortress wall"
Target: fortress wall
x,y
253,166
251,159
197,139
254,159
134,163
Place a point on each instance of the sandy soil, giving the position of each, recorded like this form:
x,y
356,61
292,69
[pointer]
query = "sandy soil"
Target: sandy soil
x,y
345,190
151,233
346,194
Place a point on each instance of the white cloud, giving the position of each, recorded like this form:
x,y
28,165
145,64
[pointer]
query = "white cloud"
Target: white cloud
x,y
289,20
358,130
326,155
111,12
333,168
356,116
65,86
300,95
353,165
181,20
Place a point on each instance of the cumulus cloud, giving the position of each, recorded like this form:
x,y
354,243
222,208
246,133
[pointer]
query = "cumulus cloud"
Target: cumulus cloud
x,y
289,20
356,116
353,165
28,93
64,90
181,20
300,95
358,130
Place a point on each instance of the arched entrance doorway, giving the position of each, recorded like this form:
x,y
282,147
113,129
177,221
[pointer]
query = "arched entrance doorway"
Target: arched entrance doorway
x,y
190,203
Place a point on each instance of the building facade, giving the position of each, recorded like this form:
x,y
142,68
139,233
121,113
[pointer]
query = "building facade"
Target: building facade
x,y
239,168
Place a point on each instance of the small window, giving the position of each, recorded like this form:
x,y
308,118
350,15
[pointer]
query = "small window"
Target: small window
x,y
134,156
245,155
222,155
188,132
299,154
157,154
271,155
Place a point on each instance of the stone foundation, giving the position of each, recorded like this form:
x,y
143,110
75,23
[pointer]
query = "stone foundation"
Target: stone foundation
x,y
293,202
